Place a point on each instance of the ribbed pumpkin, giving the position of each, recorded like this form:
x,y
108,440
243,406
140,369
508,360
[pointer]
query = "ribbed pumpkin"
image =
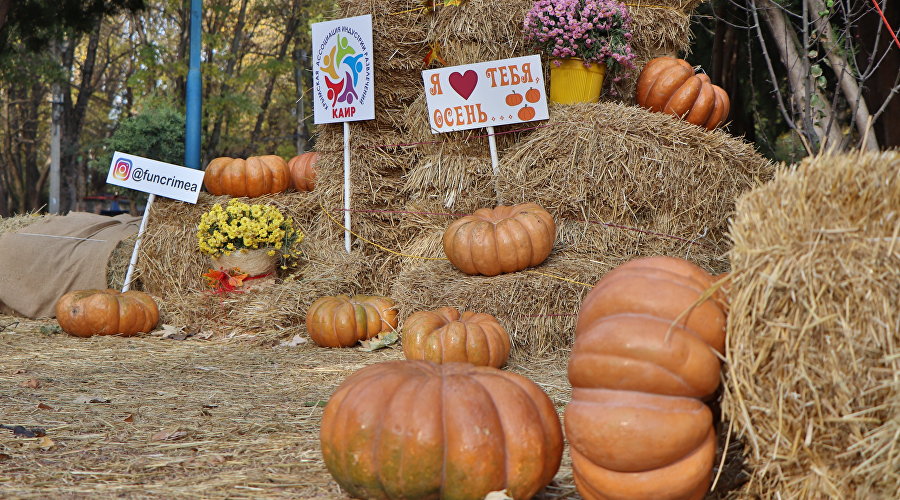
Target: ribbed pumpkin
x,y
500,240
342,321
669,85
644,359
303,171
446,335
415,429
106,312
255,176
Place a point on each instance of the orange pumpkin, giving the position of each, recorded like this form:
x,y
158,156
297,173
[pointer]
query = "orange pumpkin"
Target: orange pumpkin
x,y
645,356
669,85
106,312
444,335
255,176
342,321
415,429
303,171
500,240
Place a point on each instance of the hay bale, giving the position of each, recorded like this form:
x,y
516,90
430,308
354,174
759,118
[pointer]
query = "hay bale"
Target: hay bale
x,y
117,265
170,267
627,167
813,383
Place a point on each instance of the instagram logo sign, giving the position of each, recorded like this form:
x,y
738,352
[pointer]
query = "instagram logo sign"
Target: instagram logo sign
x,y
122,169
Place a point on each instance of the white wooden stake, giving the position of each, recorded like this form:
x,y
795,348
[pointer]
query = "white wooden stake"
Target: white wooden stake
x,y
137,243
495,164
347,186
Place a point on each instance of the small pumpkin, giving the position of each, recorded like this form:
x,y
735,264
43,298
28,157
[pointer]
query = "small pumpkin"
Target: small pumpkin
x,y
647,342
500,240
342,321
415,429
255,176
84,313
303,171
446,335
669,85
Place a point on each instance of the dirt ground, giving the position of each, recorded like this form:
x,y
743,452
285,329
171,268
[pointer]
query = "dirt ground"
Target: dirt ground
x,y
152,417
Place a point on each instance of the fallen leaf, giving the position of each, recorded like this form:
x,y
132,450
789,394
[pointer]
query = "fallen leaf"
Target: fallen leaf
x,y
51,330
170,434
4,456
22,431
129,418
31,383
294,342
498,495
171,332
47,443
379,341
42,406
91,399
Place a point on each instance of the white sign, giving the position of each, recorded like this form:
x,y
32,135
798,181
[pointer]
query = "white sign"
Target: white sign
x,y
485,94
343,82
156,177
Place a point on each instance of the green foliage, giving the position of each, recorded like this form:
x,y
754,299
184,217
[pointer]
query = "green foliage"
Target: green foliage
x,y
156,133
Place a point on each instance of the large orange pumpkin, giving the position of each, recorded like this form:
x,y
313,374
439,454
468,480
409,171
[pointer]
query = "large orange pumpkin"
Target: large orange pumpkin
x,y
446,335
303,171
342,321
255,176
500,240
669,85
106,312
415,429
645,356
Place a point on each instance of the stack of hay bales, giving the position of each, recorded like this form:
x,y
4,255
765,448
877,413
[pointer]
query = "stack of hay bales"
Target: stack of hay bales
x,y
813,383
171,267
621,182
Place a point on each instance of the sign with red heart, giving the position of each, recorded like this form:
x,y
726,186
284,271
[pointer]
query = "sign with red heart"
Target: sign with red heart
x,y
486,94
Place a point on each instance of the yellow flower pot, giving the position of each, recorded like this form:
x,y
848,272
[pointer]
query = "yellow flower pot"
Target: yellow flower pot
x,y
572,82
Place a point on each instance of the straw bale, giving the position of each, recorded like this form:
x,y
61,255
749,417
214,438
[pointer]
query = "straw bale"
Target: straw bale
x,y
117,265
538,311
624,165
171,267
813,362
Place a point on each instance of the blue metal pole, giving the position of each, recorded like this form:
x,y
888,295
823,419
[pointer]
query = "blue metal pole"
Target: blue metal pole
x,y
194,87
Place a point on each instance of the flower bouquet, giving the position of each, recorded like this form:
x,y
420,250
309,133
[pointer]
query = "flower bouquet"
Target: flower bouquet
x,y
594,35
247,241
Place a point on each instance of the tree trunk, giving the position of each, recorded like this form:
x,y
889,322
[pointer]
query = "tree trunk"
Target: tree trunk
x,y
825,130
234,54
848,83
72,166
270,86
302,132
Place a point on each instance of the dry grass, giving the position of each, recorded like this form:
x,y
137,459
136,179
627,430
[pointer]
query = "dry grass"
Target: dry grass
x,y
814,330
242,418
158,418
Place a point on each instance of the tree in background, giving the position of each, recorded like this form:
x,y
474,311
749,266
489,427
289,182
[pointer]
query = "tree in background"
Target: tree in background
x,y
805,74
156,132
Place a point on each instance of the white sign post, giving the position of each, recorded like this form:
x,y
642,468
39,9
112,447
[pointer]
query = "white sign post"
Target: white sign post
x,y
484,95
156,178
343,83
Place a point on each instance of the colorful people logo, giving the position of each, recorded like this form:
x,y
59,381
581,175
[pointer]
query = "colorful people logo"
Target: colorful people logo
x,y
342,67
